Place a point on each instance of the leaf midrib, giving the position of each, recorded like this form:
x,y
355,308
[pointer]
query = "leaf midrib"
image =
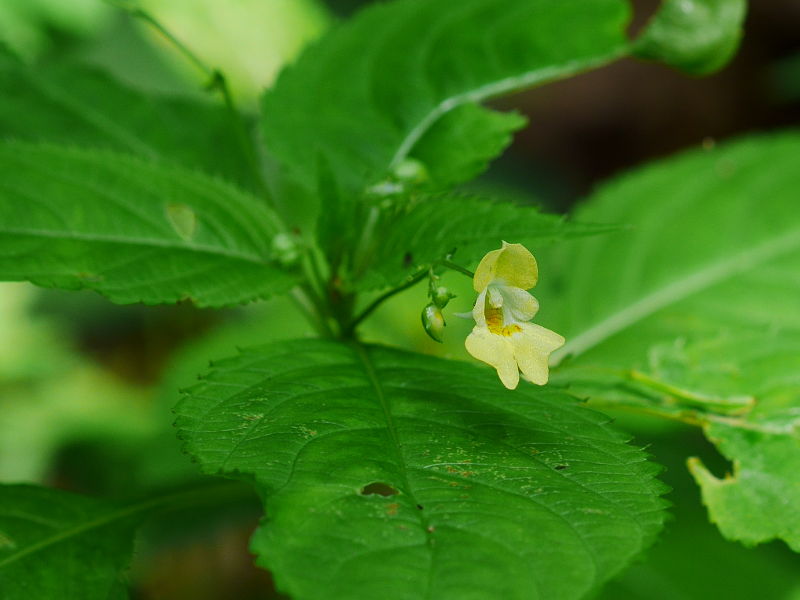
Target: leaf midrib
x,y
137,241
375,383
689,284
498,88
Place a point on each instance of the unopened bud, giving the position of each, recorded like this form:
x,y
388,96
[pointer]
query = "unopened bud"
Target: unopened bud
x,y
441,296
411,171
285,249
433,322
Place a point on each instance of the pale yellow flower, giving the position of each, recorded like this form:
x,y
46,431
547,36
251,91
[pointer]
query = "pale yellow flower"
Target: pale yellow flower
x,y
502,336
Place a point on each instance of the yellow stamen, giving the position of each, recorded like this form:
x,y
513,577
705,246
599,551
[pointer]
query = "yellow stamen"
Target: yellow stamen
x,y
494,321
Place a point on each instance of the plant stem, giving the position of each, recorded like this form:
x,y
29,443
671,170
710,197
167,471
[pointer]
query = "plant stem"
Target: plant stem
x,y
216,82
454,267
310,310
382,298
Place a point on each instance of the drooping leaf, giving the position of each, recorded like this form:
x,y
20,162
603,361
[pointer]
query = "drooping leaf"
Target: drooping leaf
x,y
133,230
697,36
757,501
469,226
359,101
60,546
460,145
669,570
83,106
693,311
405,476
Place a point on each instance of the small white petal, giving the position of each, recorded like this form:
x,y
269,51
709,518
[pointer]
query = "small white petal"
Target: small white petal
x,y
479,311
520,304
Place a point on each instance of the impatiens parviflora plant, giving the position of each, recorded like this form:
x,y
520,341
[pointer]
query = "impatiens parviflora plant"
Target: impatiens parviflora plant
x,y
389,473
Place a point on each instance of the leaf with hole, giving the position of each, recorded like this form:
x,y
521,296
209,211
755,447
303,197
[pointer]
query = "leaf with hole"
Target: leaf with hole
x,y
407,476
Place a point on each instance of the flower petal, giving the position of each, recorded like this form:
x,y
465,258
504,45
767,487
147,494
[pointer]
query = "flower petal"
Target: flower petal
x,y
521,305
479,310
513,264
532,347
494,350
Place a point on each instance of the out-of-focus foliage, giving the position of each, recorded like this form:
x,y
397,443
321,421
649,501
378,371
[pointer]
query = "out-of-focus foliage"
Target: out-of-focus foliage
x,y
47,533
50,396
24,24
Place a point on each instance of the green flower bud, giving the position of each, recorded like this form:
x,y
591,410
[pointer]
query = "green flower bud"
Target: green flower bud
x,y
441,296
411,171
285,249
433,322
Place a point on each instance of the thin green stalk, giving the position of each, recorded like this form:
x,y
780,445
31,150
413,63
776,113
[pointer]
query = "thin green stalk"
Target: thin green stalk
x,y
381,299
454,267
216,82
310,311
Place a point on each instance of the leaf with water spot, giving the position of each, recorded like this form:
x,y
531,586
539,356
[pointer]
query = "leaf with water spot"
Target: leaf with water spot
x,y
700,294
406,476
132,229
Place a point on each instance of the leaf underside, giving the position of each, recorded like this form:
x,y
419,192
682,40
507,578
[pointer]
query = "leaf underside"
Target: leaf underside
x,y
406,476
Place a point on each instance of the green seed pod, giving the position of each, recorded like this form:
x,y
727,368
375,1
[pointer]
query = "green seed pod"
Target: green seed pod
x,y
441,296
433,322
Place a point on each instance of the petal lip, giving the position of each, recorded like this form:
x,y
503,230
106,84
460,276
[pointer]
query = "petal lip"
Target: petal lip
x,y
494,350
513,264
532,348
520,304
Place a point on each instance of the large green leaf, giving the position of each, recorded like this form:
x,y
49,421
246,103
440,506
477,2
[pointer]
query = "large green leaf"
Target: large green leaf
x,y
430,228
59,546
80,105
136,231
395,475
359,101
693,313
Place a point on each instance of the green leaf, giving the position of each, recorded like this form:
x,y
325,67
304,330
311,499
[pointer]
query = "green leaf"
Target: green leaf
x,y
391,73
697,36
693,313
79,105
755,502
60,546
406,476
433,227
132,230
460,145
